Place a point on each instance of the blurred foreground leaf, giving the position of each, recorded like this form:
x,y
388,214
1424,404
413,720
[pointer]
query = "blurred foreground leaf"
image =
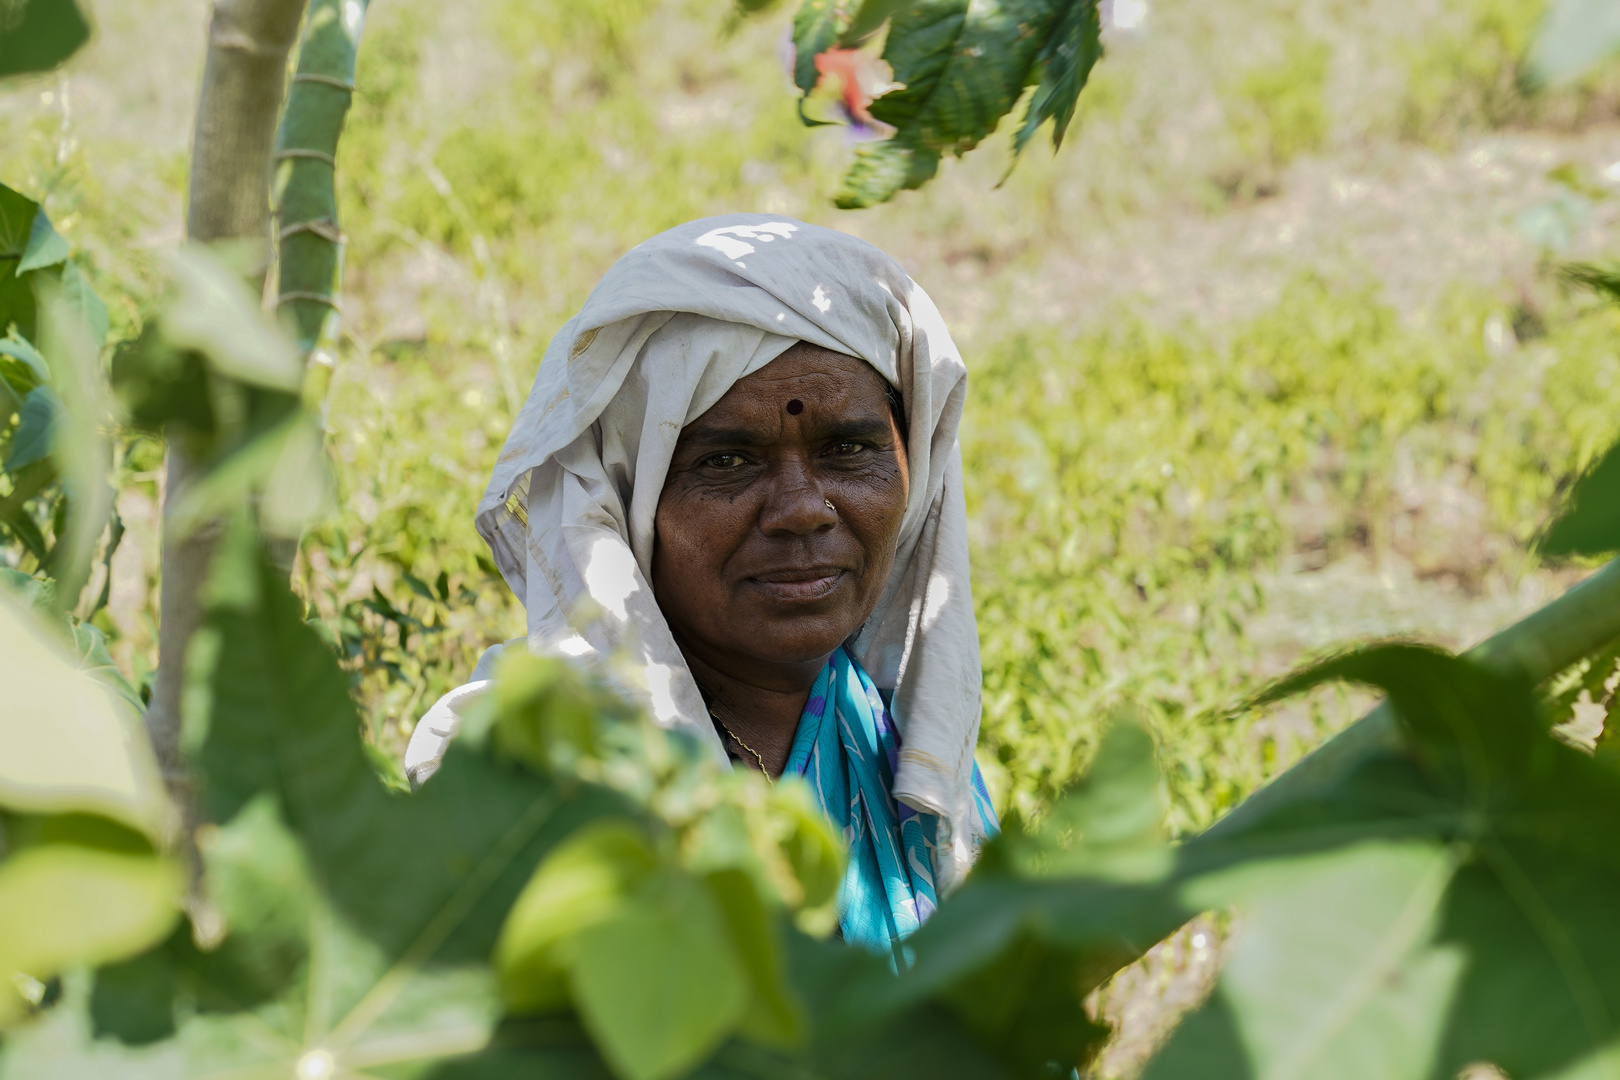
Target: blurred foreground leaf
x,y
37,35
80,806
1591,523
63,744
404,894
1451,912
1575,36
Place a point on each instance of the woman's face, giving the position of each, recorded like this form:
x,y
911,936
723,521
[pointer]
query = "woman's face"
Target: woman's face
x,y
777,525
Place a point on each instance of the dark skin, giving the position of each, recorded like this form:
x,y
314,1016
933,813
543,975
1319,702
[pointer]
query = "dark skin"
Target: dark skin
x,y
759,577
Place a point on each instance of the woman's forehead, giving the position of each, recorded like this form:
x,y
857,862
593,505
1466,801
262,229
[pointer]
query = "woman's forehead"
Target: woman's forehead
x,y
814,388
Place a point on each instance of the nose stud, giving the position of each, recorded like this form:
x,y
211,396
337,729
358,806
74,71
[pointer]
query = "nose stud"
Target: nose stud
x,y
830,506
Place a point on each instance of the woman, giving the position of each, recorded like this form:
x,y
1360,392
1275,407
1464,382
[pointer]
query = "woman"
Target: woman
x,y
738,468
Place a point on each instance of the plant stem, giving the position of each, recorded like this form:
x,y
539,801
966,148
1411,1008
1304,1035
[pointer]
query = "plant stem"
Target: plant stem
x,y
228,199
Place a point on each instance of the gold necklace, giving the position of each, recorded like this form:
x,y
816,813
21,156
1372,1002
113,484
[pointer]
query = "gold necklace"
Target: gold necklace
x,y
745,746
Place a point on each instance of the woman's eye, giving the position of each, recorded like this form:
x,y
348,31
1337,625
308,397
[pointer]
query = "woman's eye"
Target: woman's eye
x,y
724,461
846,448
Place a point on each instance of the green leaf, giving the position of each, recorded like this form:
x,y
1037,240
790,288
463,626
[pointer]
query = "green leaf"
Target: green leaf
x,y
23,351
26,532
214,313
1333,972
45,246
298,489
867,19
37,35
403,896
881,169
17,213
584,881
634,979
1477,729
81,301
963,67
36,427
1526,820
1065,63
858,1035
92,658
258,888
64,904
71,338
63,744
35,593
816,26
280,719
229,481
1575,36
1590,524
773,1014
1109,826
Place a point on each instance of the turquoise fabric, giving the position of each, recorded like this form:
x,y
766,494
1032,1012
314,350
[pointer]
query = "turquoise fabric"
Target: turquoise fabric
x,y
847,749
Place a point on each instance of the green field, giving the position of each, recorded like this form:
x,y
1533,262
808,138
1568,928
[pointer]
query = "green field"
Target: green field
x,y
1270,357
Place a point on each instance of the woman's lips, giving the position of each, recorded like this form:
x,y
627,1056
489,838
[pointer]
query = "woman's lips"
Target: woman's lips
x,y
800,585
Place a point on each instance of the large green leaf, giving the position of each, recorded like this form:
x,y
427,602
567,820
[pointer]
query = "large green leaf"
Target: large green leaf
x,y
1333,972
584,881
1514,964
63,744
404,894
65,903
37,35
258,892
278,717
660,985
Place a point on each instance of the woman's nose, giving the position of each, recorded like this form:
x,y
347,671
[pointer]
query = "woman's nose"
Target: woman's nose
x,y
795,503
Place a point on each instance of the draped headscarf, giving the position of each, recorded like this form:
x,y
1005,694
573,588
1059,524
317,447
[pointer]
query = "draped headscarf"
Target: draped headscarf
x,y
669,329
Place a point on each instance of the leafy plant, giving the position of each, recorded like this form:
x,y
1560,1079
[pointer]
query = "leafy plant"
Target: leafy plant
x,y
957,67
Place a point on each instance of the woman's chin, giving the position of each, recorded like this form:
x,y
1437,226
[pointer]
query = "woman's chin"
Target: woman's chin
x,y
796,641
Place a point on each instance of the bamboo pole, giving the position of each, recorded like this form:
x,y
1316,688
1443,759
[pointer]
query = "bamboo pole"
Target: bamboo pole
x,y
227,199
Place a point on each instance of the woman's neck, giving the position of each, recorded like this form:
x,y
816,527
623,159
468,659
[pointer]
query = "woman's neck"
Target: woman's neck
x,y
758,712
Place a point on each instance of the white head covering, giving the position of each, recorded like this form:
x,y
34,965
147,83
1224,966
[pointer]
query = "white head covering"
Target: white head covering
x,y
669,329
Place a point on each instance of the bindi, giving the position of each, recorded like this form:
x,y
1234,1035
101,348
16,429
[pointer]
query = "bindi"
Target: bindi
x,y
795,407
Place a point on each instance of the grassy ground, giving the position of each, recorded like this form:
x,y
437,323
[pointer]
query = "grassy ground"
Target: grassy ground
x,y
1269,358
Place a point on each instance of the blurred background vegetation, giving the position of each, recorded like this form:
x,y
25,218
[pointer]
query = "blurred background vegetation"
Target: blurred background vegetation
x,y
1271,356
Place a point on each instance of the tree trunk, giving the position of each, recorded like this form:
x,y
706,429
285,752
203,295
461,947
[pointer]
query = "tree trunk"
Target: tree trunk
x,y
228,199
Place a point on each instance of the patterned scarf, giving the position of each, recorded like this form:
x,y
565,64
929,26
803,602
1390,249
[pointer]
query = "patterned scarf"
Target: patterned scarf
x,y
848,750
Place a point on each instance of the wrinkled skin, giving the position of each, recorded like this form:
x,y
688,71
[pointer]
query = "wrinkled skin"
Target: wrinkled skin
x,y
758,577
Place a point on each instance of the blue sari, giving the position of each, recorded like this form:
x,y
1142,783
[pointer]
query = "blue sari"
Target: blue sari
x,y
847,749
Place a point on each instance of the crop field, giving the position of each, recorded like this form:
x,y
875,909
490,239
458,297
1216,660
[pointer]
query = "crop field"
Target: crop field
x,y
1272,356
